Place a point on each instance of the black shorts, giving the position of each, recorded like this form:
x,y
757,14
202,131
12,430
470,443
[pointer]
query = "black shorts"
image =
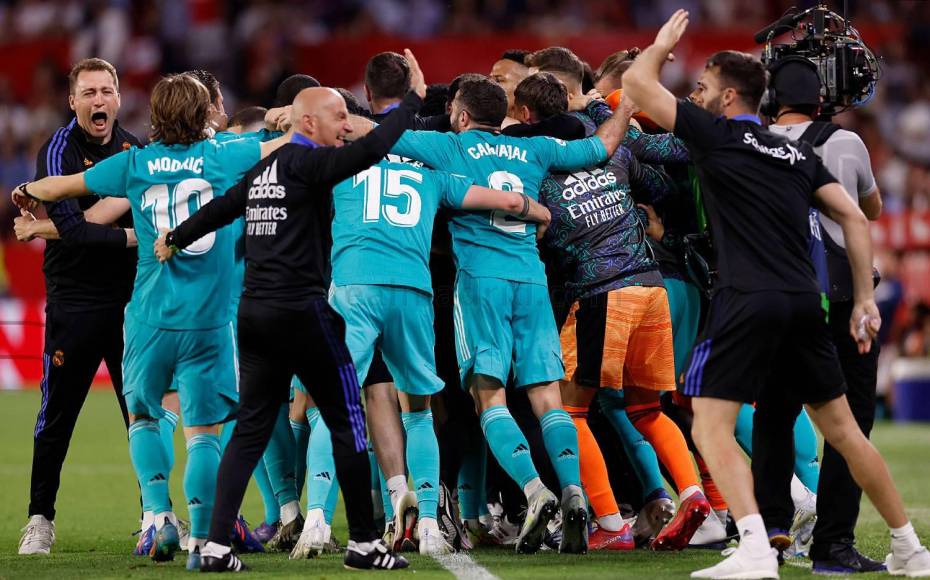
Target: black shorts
x,y
377,371
759,340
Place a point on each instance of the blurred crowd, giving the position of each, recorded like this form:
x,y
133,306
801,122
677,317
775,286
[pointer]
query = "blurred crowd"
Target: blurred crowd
x,y
247,44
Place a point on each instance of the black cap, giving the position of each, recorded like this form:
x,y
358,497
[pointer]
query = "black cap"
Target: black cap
x,y
796,82
291,86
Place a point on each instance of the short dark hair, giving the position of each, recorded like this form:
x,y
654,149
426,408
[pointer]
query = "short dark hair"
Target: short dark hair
x,y
387,76
291,86
352,103
518,55
743,73
543,94
208,80
437,96
557,59
91,64
457,82
485,101
247,116
587,80
179,110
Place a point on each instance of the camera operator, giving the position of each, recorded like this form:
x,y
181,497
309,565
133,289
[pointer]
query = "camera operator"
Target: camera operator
x,y
796,87
766,339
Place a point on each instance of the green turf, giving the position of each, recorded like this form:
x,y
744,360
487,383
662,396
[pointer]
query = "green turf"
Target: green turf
x,y
97,511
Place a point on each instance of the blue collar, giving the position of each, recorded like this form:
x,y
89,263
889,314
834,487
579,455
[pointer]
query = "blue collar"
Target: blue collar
x,y
751,118
301,140
389,108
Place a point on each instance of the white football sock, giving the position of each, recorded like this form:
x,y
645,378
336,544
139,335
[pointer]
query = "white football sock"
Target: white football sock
x,y
532,487
904,541
688,492
397,486
289,512
753,537
611,523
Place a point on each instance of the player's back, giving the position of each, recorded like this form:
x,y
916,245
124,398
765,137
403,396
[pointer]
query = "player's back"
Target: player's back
x,y
165,185
383,223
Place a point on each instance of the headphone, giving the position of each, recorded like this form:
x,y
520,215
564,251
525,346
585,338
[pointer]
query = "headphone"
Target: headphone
x,y
770,104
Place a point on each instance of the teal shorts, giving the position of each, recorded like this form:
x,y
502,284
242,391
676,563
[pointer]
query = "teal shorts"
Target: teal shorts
x,y
397,319
501,324
202,364
684,304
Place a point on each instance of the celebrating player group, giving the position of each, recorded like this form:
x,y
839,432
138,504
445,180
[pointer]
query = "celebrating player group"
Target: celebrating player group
x,y
333,298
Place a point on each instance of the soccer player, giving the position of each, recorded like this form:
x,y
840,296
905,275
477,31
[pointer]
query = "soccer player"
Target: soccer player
x,y
765,316
284,313
508,72
247,120
381,287
503,315
178,326
88,279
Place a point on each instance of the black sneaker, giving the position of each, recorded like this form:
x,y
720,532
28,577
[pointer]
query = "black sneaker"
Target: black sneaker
x,y
377,557
449,523
227,563
845,559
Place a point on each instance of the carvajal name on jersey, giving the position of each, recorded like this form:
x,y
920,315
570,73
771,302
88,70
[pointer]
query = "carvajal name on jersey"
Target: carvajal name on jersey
x,y
503,150
192,164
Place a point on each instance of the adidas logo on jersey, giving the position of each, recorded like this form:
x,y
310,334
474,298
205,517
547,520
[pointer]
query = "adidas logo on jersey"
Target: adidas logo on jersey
x,y
582,182
520,450
265,186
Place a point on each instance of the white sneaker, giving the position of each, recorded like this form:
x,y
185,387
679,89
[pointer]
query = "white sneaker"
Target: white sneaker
x,y
802,529
184,533
741,566
432,543
38,536
313,539
710,532
917,564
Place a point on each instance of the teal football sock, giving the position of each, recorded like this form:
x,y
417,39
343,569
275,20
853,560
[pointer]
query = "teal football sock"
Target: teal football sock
x,y
203,462
272,509
743,430
508,444
280,460
423,460
561,439
166,426
322,484
301,433
148,459
806,466
641,453
471,484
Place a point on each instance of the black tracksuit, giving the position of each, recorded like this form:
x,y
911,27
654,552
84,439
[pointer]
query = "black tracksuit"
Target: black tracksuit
x,y
286,325
88,278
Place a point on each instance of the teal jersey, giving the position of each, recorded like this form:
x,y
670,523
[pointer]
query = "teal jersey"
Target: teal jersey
x,y
165,184
494,244
384,223
261,135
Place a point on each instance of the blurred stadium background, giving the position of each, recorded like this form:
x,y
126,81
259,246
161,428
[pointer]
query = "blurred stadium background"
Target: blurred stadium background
x,y
252,44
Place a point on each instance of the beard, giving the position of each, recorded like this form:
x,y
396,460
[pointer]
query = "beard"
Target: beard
x,y
714,105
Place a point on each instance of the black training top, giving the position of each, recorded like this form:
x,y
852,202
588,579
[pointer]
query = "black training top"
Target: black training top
x,y
287,203
757,188
90,267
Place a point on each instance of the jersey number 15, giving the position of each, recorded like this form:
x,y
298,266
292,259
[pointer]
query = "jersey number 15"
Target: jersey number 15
x,y
394,188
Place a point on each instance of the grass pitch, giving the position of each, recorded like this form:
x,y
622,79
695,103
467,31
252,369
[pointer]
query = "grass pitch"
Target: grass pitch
x,y
98,511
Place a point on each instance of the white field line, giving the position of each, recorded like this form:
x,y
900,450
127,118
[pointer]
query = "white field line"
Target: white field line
x,y
463,567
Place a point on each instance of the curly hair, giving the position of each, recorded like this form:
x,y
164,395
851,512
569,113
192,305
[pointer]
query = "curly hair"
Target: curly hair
x,y
180,106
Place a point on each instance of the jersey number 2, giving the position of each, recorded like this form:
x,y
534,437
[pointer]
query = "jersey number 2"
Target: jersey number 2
x,y
395,188
505,181
171,207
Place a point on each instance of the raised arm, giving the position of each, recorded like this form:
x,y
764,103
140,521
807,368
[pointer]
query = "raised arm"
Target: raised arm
x,y
641,80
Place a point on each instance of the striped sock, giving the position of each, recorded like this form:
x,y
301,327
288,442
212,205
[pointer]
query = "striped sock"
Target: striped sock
x,y
148,459
203,462
508,444
561,439
167,426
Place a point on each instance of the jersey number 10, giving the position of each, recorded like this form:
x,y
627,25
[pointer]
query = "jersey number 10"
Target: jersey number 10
x,y
171,207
